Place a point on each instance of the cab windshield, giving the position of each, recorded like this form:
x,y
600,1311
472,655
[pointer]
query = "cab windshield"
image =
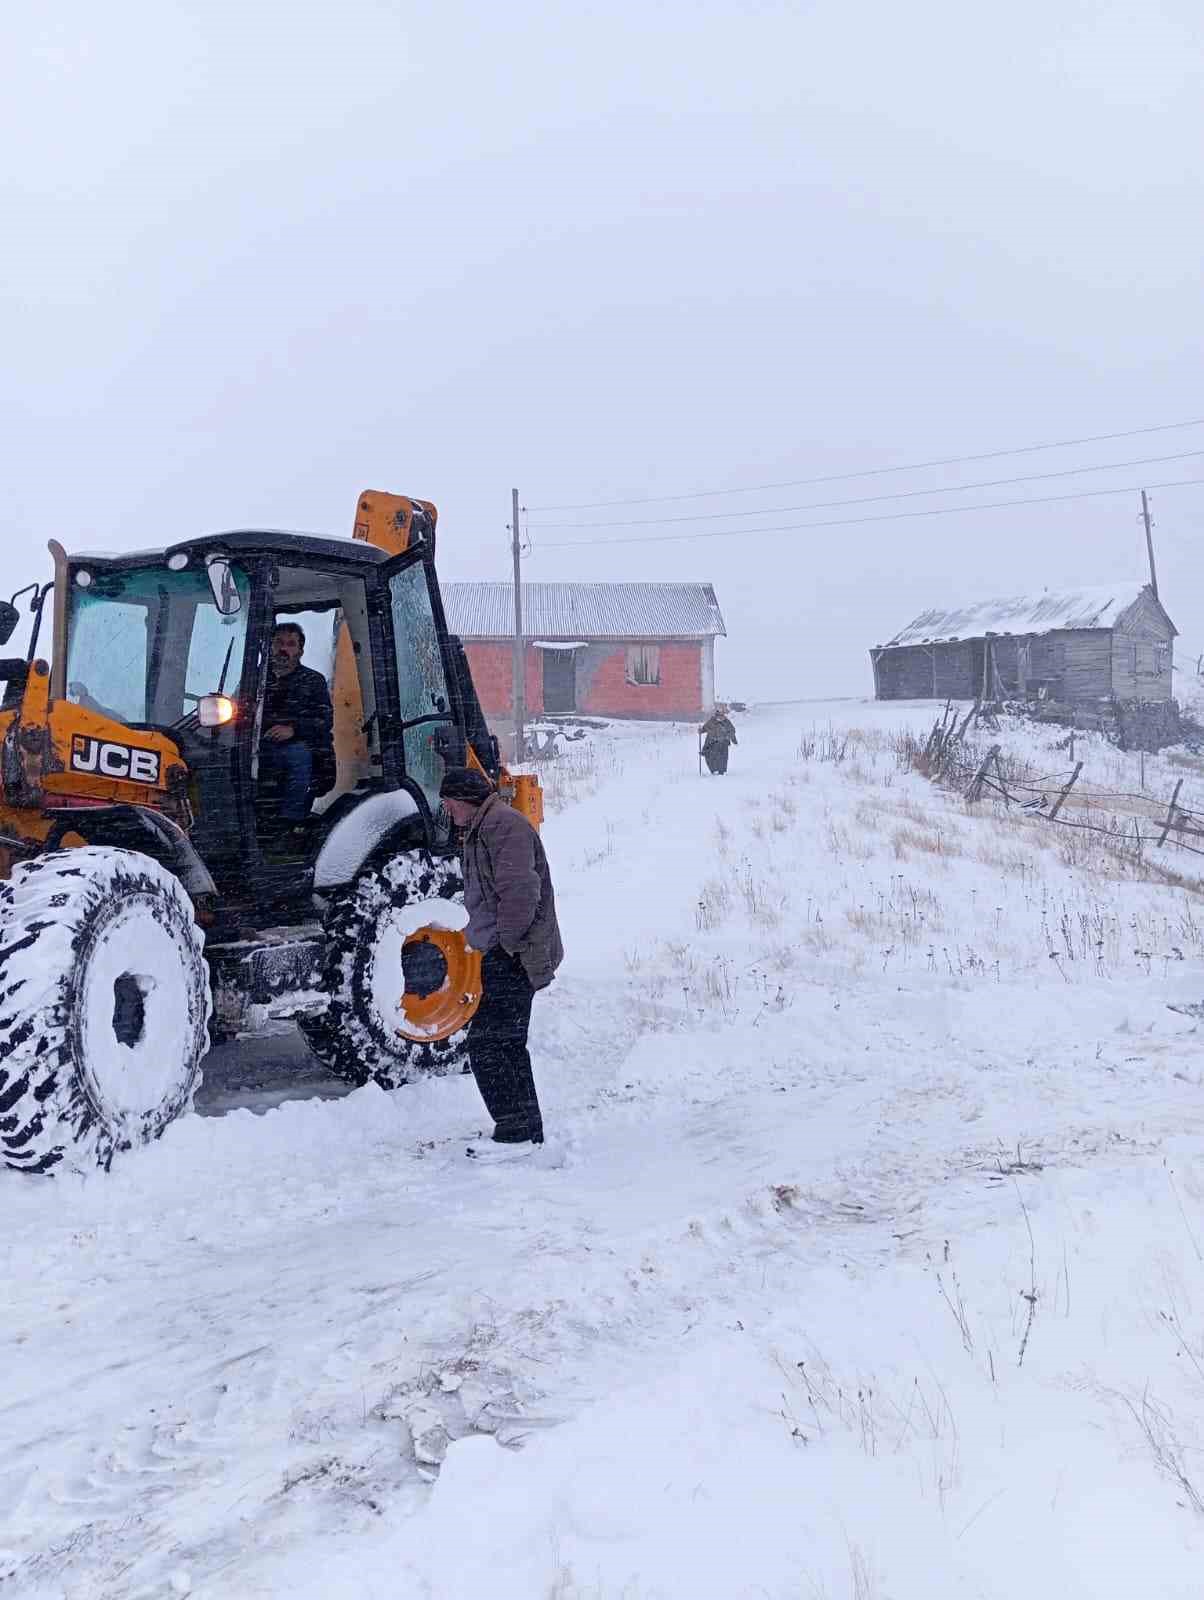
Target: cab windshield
x,y
144,643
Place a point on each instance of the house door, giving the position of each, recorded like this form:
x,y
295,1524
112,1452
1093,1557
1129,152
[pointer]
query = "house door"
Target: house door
x,y
559,681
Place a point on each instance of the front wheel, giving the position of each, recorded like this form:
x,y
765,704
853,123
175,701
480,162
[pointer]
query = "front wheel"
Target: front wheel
x,y
401,982
105,1011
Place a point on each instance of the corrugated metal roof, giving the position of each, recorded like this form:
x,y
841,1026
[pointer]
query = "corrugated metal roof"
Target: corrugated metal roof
x,y
1054,609
585,610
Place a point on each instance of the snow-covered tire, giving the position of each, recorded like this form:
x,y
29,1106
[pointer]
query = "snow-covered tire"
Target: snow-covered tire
x,y
104,1007
357,1037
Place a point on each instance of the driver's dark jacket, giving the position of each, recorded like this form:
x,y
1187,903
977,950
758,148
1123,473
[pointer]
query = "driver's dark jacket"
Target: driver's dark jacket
x,y
302,699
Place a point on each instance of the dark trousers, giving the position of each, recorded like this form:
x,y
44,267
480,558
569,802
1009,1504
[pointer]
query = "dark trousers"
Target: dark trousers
x,y
714,753
290,768
497,1049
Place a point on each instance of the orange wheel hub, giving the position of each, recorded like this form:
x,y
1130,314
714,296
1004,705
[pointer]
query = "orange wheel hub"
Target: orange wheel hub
x,y
451,1006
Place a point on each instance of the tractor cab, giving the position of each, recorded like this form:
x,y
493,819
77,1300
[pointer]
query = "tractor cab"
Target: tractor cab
x,y
164,669
180,644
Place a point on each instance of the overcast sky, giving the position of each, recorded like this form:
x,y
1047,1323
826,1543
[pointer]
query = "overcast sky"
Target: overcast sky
x,y
259,256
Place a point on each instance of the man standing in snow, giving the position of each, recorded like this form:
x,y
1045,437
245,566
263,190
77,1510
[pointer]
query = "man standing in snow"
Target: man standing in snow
x,y
718,734
512,920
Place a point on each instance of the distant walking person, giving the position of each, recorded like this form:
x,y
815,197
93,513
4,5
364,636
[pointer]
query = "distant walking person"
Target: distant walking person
x,y
512,920
718,736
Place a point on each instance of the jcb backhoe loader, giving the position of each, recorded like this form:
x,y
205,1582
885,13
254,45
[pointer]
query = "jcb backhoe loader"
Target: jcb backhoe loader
x,y
147,897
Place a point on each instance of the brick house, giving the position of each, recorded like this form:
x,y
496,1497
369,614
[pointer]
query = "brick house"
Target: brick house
x,y
609,649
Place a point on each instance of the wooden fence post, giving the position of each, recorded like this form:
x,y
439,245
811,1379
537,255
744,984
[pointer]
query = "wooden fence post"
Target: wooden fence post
x,y
1170,814
1061,800
974,792
1003,786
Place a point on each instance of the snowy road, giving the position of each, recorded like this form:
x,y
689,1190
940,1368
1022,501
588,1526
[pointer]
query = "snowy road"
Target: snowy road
x,y
268,1072
758,1333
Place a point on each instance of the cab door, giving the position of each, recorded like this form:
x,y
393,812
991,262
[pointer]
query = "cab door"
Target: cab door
x,y
423,724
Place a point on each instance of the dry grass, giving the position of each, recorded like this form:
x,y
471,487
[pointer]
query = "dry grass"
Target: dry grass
x,y
871,813
838,745
1183,762
782,957
1010,861
579,771
875,741
1175,1458
905,840
714,904
902,915
845,844
765,901
913,812
783,812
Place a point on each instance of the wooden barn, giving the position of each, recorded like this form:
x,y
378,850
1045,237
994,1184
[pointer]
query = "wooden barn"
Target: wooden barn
x,y
1074,646
611,649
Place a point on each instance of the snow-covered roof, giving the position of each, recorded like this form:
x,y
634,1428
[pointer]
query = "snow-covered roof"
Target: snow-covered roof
x,y
585,610
1050,611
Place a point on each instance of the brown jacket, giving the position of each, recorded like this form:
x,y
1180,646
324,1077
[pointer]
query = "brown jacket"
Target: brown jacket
x,y
718,730
508,891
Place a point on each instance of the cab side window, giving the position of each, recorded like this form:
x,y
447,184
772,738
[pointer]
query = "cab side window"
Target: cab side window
x,y
423,696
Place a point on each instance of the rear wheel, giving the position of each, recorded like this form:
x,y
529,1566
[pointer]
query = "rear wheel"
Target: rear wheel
x,y
104,1007
402,983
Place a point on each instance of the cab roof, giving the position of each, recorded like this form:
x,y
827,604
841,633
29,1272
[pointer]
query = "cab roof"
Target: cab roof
x,y
250,542
278,541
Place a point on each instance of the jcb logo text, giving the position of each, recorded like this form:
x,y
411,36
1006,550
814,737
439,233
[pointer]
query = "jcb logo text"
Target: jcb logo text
x,y
113,760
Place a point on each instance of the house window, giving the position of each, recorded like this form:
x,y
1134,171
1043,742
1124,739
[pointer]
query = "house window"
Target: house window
x,y
1161,658
644,664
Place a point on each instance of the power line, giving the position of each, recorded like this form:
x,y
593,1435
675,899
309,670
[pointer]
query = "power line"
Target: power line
x,y
849,522
870,499
874,472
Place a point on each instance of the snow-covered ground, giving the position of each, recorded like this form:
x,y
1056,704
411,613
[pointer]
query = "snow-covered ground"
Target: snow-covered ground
x,y
871,1264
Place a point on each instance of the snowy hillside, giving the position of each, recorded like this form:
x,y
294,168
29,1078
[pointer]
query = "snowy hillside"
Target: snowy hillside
x,y
867,1262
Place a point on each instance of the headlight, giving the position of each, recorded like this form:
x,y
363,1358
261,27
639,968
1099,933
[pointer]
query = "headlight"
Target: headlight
x,y
215,710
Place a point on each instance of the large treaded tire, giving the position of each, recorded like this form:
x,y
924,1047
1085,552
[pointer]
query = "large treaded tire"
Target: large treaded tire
x,y
104,1007
353,1038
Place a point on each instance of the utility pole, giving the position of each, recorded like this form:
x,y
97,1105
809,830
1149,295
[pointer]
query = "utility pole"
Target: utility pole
x,y
1149,541
519,690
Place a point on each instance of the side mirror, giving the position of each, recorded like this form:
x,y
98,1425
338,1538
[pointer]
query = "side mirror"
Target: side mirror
x,y
9,617
225,590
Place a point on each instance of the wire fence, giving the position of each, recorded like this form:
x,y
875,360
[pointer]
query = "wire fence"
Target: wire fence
x,y
1128,821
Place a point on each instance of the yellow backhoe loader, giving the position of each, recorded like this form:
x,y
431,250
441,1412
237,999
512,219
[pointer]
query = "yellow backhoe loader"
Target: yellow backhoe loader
x,y
149,899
